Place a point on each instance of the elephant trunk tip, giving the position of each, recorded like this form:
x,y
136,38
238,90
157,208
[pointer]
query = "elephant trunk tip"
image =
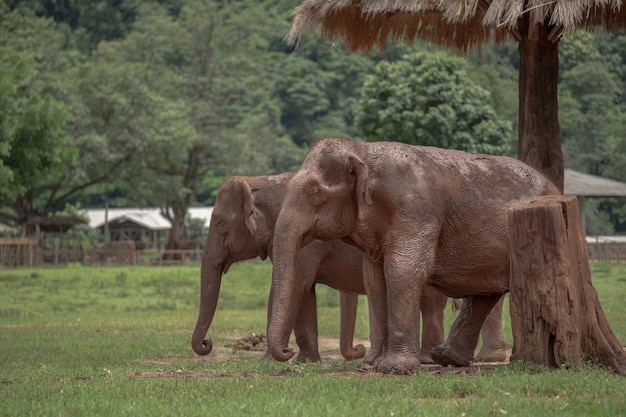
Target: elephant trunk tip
x,y
356,352
281,355
202,348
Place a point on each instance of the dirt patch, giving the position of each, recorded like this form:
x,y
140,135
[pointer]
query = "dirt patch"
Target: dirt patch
x,y
253,347
254,341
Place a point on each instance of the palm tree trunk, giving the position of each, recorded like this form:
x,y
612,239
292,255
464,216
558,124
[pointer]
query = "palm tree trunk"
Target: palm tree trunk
x,y
539,131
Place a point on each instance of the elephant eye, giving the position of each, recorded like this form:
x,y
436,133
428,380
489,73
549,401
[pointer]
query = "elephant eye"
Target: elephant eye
x,y
315,194
220,225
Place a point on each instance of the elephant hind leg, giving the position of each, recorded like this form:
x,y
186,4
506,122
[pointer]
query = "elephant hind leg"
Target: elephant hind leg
x,y
494,342
432,306
458,349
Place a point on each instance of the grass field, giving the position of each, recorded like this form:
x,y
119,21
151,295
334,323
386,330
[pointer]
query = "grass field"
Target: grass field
x,y
115,341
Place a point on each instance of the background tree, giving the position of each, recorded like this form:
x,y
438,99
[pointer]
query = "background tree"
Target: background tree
x,y
213,60
34,143
495,69
157,105
318,91
76,125
592,115
89,22
427,98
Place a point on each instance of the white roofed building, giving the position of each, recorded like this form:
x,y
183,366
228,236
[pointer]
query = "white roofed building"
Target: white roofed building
x,y
133,223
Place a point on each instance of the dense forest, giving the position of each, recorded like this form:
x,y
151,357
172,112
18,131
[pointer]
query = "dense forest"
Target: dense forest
x,y
155,103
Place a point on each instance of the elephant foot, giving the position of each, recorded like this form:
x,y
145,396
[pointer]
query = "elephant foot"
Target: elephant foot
x,y
396,363
447,355
371,356
304,357
491,355
426,358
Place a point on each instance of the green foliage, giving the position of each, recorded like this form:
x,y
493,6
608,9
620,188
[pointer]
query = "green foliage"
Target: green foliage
x,y
575,47
428,99
33,141
92,21
495,70
156,102
592,116
318,90
115,341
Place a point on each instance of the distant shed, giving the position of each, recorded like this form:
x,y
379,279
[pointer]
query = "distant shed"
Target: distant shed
x,y
132,223
129,223
585,185
8,230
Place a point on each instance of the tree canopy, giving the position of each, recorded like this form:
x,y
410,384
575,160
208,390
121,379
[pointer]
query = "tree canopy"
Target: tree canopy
x,y
155,103
428,98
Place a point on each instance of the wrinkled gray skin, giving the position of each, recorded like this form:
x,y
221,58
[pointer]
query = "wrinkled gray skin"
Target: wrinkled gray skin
x,y
242,228
422,215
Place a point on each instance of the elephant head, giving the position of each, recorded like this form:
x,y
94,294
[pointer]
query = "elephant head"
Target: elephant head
x,y
241,228
323,201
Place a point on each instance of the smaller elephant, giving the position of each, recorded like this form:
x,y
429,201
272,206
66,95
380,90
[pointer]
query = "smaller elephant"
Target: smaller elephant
x,y
241,228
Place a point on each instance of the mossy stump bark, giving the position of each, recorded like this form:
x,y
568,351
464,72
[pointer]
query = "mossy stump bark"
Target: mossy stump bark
x,y
556,317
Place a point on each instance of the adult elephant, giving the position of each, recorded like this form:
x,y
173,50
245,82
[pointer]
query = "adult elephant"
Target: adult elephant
x,y
242,227
422,215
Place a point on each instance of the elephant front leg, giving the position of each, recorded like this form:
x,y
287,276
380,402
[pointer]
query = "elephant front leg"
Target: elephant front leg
x,y
494,342
401,355
458,349
403,309
305,329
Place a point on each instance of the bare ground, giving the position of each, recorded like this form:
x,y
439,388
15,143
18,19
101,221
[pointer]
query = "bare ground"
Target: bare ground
x,y
253,347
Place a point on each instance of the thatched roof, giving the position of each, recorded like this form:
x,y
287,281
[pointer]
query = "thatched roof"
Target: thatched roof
x,y
456,23
53,224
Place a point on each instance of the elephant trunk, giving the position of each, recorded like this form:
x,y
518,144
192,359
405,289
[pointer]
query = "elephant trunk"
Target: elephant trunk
x,y
284,294
210,281
348,308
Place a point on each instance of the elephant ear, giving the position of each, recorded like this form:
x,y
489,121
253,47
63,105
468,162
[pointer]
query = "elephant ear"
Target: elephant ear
x,y
362,180
250,211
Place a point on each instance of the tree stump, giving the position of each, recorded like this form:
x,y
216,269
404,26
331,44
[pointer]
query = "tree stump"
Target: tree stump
x,y
556,317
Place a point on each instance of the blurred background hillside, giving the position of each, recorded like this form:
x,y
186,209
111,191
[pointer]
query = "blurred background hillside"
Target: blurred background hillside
x,y
154,103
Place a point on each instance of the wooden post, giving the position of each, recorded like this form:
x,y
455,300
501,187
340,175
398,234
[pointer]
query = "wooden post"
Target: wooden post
x,y
57,247
107,234
31,249
556,317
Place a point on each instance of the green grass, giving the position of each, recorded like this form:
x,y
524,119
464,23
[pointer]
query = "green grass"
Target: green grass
x,y
115,341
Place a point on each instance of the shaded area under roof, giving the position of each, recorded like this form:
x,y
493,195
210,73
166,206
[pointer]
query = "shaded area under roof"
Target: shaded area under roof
x,y
585,185
52,224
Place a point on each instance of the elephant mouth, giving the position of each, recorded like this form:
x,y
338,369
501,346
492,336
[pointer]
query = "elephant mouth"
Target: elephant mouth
x,y
225,266
306,239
